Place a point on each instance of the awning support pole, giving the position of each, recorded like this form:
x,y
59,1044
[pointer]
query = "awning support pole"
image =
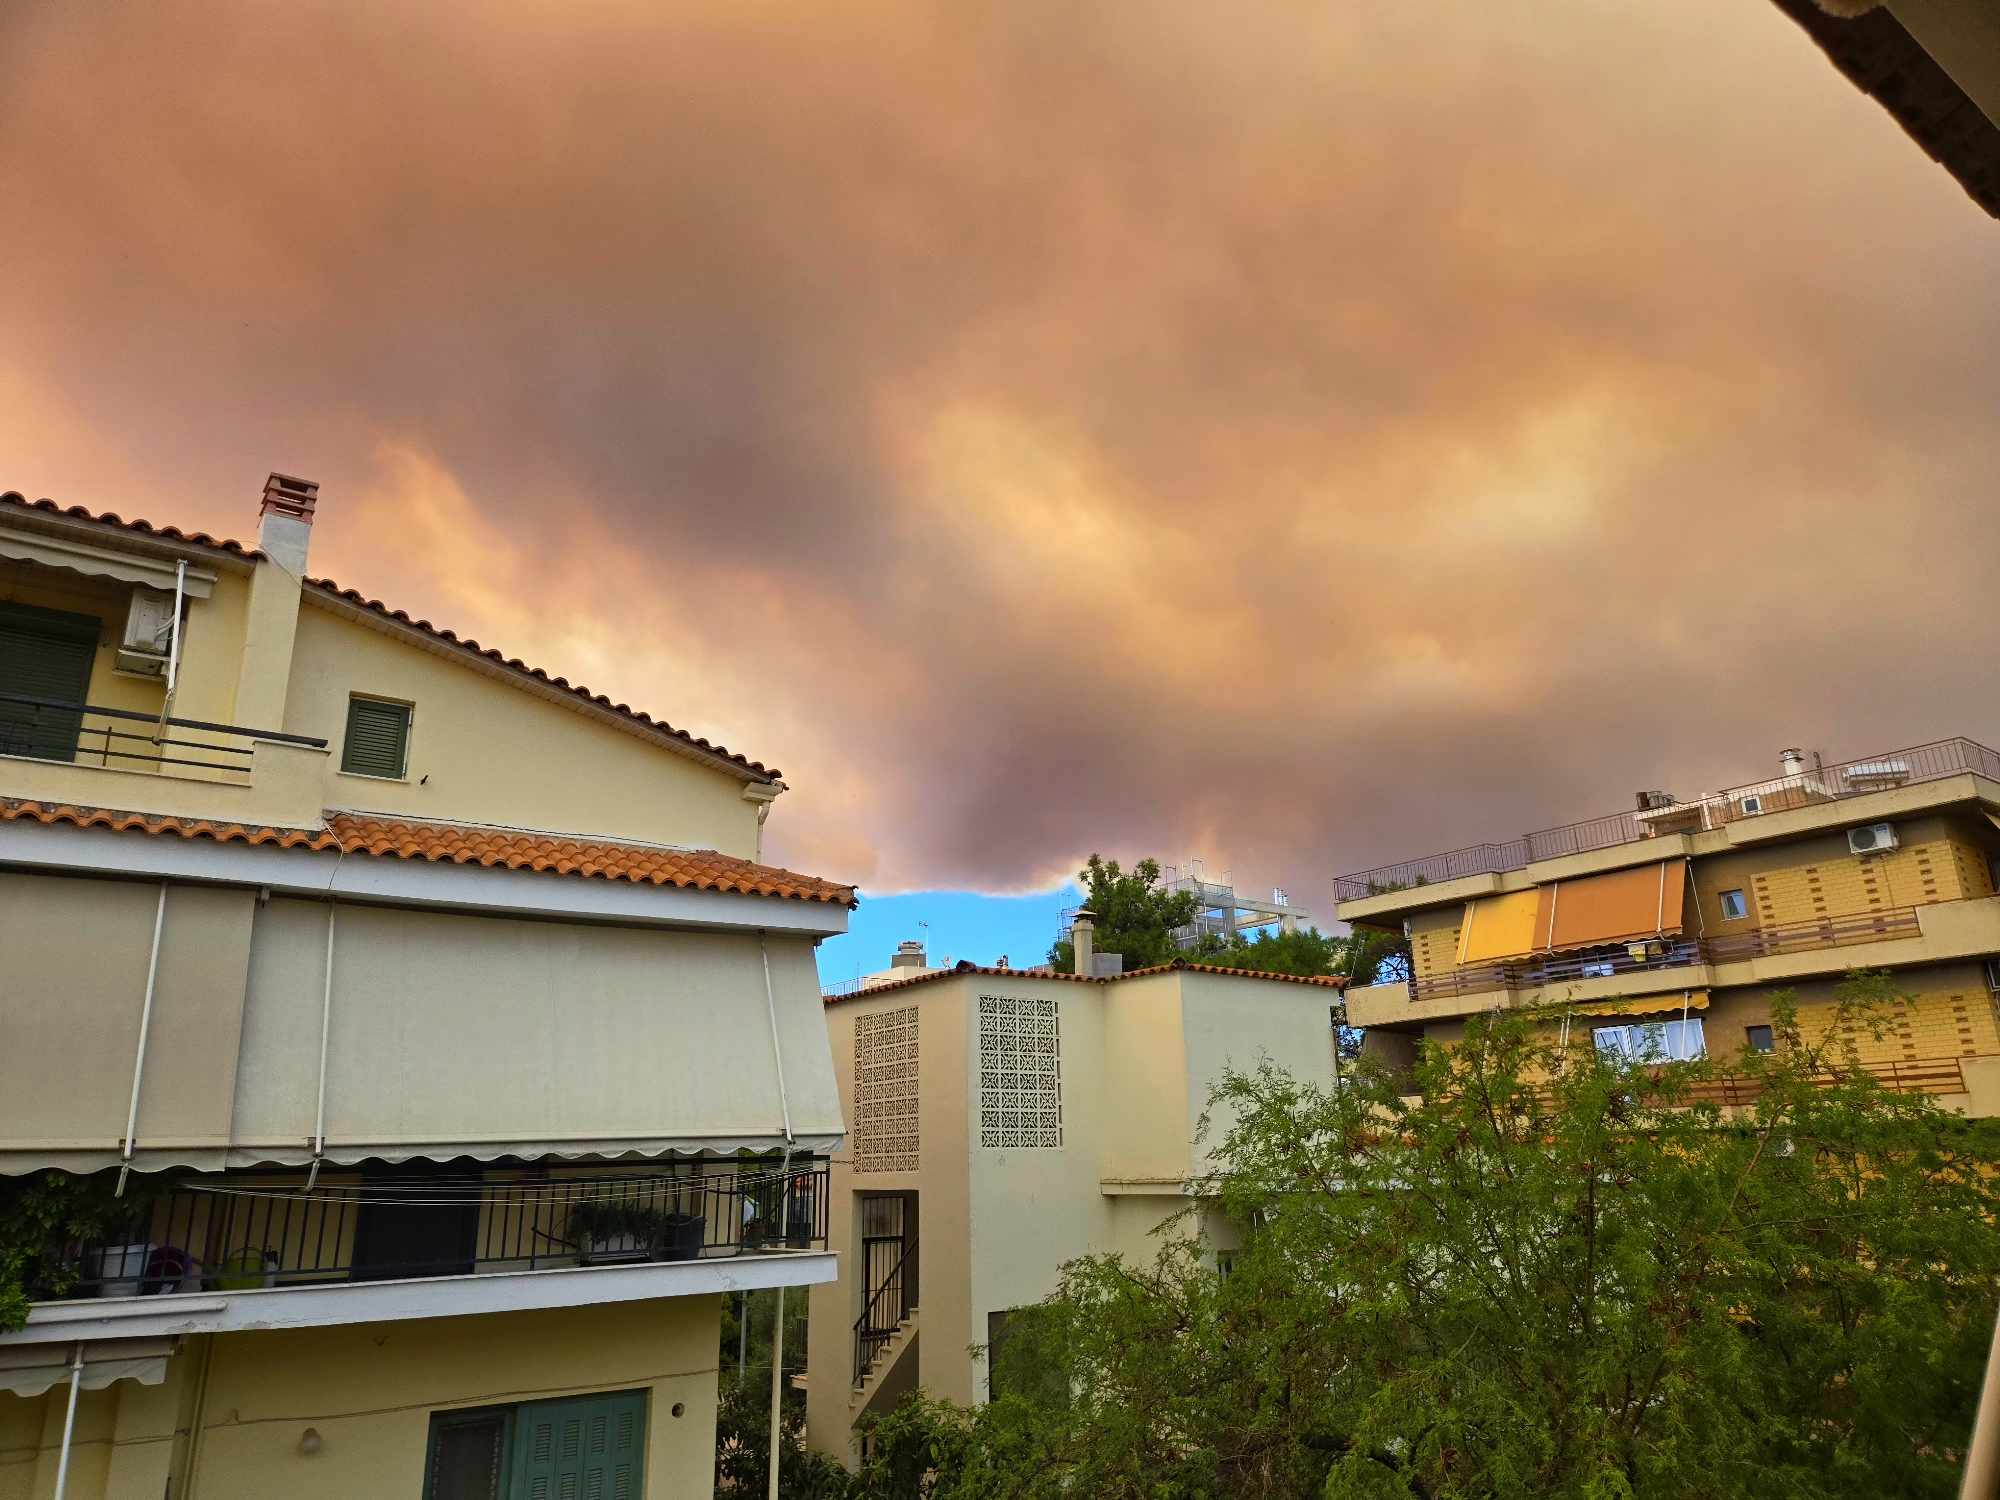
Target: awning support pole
x,y
69,1423
325,1027
784,1221
139,1059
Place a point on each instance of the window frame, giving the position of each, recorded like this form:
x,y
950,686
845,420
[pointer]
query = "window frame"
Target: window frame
x,y
1742,904
468,1416
1769,1039
409,735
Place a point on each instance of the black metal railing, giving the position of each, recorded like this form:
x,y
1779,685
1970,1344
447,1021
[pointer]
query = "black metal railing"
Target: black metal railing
x,y
1819,783
49,729
244,1231
888,1306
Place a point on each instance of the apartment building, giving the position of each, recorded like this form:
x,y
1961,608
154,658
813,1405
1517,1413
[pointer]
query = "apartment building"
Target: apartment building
x,y
1003,1122
441,1043
1664,931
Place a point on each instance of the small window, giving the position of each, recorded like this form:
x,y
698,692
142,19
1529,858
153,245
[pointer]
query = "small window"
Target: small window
x,y
1759,1038
378,738
1732,906
1751,804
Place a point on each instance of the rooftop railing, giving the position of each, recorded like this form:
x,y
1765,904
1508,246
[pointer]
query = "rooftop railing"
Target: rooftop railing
x,y
248,1231
123,739
1820,783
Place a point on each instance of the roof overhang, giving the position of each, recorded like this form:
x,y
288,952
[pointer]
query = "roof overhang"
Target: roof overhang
x,y
327,874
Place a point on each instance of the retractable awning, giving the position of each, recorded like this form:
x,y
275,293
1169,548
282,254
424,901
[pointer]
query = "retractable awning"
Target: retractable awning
x,y
1591,911
30,1369
1648,1005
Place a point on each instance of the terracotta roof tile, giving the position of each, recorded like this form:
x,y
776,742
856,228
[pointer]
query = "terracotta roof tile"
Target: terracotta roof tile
x,y
513,663
464,844
1323,981
143,528
437,632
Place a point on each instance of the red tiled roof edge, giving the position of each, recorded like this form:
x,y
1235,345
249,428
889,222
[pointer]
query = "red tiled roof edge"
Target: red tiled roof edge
x,y
660,727
452,843
1323,981
144,528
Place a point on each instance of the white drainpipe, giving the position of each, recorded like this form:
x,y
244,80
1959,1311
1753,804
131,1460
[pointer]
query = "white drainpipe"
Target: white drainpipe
x,y
69,1423
325,1029
139,1058
784,1221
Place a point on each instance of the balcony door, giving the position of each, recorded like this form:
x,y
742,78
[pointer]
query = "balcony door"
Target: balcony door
x,y
416,1221
44,654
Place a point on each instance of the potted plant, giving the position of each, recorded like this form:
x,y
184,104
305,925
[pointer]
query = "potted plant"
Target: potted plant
x,y
615,1229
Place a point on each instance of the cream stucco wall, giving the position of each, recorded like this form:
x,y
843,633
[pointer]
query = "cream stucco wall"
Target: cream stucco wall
x,y
482,750
226,1424
1139,1058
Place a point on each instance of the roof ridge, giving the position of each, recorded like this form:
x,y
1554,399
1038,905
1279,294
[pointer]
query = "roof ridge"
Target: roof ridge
x,y
1321,981
359,600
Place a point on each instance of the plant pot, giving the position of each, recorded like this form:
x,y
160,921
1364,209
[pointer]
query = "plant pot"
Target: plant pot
x,y
120,1269
610,1249
682,1237
248,1271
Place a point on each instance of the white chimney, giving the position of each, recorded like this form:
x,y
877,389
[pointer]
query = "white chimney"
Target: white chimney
x,y
909,955
1792,762
1083,940
284,521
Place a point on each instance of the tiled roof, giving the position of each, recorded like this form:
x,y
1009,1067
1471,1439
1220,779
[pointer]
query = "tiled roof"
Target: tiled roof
x,y
376,607
1323,981
514,664
143,528
465,844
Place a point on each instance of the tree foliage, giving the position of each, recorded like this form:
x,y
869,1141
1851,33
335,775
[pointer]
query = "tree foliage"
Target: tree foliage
x,y
1136,915
45,1220
1560,1274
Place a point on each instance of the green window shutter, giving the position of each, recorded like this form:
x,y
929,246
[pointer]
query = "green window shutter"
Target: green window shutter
x,y
378,738
44,653
591,1448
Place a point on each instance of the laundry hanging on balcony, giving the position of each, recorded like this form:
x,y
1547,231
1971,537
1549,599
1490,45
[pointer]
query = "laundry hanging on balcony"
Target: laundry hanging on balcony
x,y
1590,911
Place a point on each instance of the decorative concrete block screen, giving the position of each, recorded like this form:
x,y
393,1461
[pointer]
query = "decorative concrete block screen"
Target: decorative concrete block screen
x,y
885,1091
1020,1072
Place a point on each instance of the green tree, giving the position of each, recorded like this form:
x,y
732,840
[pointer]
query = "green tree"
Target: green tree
x,y
45,1220
1560,1274
1136,916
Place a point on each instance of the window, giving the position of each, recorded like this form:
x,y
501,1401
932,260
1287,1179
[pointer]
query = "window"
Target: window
x,y
1759,1038
1733,906
1652,1041
378,738
1020,1072
1751,804
588,1445
44,654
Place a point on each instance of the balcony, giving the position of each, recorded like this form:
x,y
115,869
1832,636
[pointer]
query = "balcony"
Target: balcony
x,y
264,1250
1938,932
84,753
1821,784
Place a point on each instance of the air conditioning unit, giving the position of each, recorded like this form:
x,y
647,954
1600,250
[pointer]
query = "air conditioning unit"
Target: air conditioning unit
x,y
1872,839
149,633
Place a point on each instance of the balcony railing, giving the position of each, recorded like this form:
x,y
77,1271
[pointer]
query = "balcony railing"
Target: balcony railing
x,y
1823,783
122,739
249,1231
1922,1075
1781,937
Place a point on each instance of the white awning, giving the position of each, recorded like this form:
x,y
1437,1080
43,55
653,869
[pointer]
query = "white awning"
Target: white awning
x,y
30,1369
104,562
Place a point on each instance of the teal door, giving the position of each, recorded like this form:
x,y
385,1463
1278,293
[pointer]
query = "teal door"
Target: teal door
x,y
589,1448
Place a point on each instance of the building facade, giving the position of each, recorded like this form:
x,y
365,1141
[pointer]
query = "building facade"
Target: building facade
x,y
1003,1122
1665,931
438,1044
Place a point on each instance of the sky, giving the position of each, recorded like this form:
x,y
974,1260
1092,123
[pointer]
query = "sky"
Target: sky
x,y
1296,435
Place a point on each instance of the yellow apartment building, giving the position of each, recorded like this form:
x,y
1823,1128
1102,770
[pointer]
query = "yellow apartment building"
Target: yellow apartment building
x,y
1003,1122
1663,931
455,1049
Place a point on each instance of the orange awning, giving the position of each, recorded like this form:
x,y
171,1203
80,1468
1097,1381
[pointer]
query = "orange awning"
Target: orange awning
x,y
1618,906
1671,1003
1497,927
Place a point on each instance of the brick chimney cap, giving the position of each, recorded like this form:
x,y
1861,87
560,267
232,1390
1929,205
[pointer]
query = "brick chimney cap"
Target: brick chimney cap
x,y
288,495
